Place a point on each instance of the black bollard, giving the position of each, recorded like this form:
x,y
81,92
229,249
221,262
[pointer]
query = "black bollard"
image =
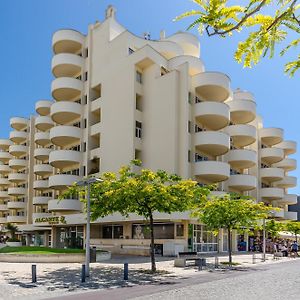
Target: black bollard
x,y
216,262
83,273
33,273
200,265
125,271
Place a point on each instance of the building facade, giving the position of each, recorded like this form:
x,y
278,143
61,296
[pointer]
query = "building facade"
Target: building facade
x,y
118,97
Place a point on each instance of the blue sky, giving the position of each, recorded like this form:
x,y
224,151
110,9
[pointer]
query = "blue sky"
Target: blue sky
x,y
26,29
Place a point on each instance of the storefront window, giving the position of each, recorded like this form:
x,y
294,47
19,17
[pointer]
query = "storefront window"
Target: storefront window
x,y
204,240
161,231
112,231
179,230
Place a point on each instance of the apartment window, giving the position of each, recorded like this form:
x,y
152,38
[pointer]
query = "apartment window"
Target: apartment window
x,y
84,147
86,54
138,154
234,172
189,155
190,97
95,92
130,51
179,230
84,171
138,102
189,126
198,128
112,232
85,76
263,146
138,129
199,157
139,76
85,99
77,124
85,122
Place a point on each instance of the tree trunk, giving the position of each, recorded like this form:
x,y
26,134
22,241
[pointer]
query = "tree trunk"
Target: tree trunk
x,y
229,246
152,254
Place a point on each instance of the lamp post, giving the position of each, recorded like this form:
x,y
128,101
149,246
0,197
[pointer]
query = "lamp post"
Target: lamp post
x,y
87,183
264,239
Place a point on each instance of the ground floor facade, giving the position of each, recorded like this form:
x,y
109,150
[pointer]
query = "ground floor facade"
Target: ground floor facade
x,y
173,233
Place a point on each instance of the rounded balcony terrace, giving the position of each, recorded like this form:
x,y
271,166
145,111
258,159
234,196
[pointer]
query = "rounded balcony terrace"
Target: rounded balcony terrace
x,y
66,89
212,86
42,138
41,200
42,154
213,143
18,123
242,182
64,205
271,136
287,164
241,158
43,123
65,135
211,171
18,150
16,191
271,174
4,144
271,155
67,65
17,177
42,170
18,136
65,159
42,107
62,181
289,147
212,115
16,219
271,193
18,164
64,112
67,41
242,135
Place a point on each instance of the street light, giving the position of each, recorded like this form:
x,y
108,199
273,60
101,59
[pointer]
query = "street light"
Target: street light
x,y
87,182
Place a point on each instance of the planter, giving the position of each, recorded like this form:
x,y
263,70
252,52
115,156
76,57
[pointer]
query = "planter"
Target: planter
x,y
102,256
14,244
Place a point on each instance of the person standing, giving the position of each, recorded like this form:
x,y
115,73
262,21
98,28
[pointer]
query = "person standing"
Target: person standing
x,y
294,249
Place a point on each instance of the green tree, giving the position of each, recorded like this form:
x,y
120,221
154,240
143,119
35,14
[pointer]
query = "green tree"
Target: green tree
x,y
266,22
231,212
12,229
273,228
293,227
143,193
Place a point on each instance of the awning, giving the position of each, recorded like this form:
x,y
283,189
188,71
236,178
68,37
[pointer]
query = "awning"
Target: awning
x,y
31,227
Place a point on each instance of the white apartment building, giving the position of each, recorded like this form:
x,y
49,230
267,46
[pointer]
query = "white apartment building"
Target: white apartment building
x,y
116,97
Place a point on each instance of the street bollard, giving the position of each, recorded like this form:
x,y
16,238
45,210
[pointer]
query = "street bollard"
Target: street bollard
x,y
125,271
200,265
33,273
253,258
216,262
83,273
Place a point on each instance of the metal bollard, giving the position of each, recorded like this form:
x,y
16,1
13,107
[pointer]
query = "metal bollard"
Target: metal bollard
x,y
125,271
253,258
216,262
200,265
33,273
83,273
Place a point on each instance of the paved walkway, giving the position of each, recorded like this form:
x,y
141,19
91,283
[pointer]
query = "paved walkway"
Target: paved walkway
x,y
64,279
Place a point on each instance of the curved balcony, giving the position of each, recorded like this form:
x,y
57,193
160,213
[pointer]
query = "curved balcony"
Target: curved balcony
x,y
64,112
242,111
4,144
67,65
212,115
18,136
41,200
62,181
288,164
271,193
42,107
289,147
212,86
16,219
291,215
3,220
241,135
241,158
42,138
287,182
65,158
67,41
65,135
4,182
18,164
16,191
271,155
212,142
3,207
17,177
43,123
211,171
271,136
66,88
41,184
271,174
42,154
18,150
5,169
16,205
5,157
64,205
42,170
195,64
278,214
242,182
4,194
289,199
19,123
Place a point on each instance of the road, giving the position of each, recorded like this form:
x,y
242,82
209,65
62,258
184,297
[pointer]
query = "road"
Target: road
x,y
277,281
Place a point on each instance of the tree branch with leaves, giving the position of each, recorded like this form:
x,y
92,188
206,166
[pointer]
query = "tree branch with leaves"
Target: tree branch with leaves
x,y
268,23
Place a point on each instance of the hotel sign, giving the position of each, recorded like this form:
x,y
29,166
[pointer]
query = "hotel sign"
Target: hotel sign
x,y
51,220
